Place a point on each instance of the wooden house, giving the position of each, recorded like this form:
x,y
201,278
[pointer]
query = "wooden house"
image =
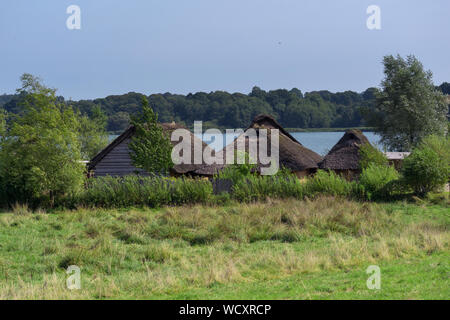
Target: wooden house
x,y
115,159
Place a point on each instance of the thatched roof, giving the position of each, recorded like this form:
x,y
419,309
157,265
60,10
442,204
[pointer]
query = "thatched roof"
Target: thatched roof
x,y
292,153
187,168
168,129
345,153
209,169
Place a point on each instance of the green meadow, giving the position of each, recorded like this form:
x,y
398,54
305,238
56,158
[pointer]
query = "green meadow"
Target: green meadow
x,y
273,249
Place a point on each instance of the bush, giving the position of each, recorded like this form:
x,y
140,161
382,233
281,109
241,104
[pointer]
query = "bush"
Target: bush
x,y
371,155
440,145
39,149
375,179
143,191
428,166
186,191
237,172
329,183
254,188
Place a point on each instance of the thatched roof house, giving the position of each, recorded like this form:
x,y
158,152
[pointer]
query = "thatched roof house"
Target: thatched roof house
x,y
396,158
115,159
344,156
292,154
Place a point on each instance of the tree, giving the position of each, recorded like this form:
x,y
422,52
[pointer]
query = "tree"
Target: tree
x,y
409,107
2,137
376,178
428,166
92,133
150,148
370,155
445,88
2,123
40,153
118,122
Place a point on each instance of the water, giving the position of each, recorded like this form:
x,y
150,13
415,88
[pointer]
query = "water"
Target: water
x,y
320,142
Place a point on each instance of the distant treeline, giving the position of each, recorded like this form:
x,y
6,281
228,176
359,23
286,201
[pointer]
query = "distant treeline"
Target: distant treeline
x,y
292,108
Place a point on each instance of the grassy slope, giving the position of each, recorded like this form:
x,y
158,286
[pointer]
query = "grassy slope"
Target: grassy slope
x,y
275,250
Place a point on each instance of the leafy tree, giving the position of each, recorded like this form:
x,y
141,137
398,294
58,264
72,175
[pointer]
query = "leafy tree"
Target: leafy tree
x,y
5,98
118,122
2,123
409,107
150,148
445,88
375,179
2,137
92,133
40,152
292,108
428,166
370,155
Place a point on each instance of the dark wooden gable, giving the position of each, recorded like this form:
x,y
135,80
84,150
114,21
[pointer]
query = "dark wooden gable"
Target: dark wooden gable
x,y
115,159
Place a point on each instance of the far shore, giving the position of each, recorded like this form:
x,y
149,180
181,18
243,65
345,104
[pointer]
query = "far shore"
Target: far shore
x,y
364,129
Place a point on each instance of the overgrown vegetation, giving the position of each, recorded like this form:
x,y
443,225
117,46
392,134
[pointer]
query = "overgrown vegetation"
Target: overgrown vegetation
x,y
370,155
428,167
142,191
375,181
286,249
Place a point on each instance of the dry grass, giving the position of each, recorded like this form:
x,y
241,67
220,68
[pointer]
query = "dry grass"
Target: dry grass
x,y
143,253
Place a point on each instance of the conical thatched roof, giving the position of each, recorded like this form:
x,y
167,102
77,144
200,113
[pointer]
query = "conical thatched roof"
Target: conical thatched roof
x,y
125,138
186,168
345,153
209,169
292,153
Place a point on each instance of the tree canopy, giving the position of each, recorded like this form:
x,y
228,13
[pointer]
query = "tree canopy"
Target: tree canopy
x,y
150,148
92,133
40,151
409,107
220,109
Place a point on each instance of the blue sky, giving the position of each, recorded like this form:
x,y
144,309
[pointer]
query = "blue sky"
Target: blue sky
x,y
184,46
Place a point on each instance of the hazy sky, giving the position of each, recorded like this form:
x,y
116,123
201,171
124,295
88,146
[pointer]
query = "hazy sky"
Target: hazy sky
x,y
184,46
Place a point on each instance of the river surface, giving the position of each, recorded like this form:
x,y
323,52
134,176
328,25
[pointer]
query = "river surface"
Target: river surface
x,y
320,142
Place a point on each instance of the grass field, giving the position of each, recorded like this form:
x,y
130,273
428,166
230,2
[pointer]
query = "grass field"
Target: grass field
x,y
289,249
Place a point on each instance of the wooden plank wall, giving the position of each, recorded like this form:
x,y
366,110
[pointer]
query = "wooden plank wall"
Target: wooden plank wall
x,y
117,162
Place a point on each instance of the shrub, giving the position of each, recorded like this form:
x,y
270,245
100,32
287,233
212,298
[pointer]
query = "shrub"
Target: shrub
x,y
425,170
374,180
237,172
440,145
184,191
329,183
371,155
261,187
143,191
